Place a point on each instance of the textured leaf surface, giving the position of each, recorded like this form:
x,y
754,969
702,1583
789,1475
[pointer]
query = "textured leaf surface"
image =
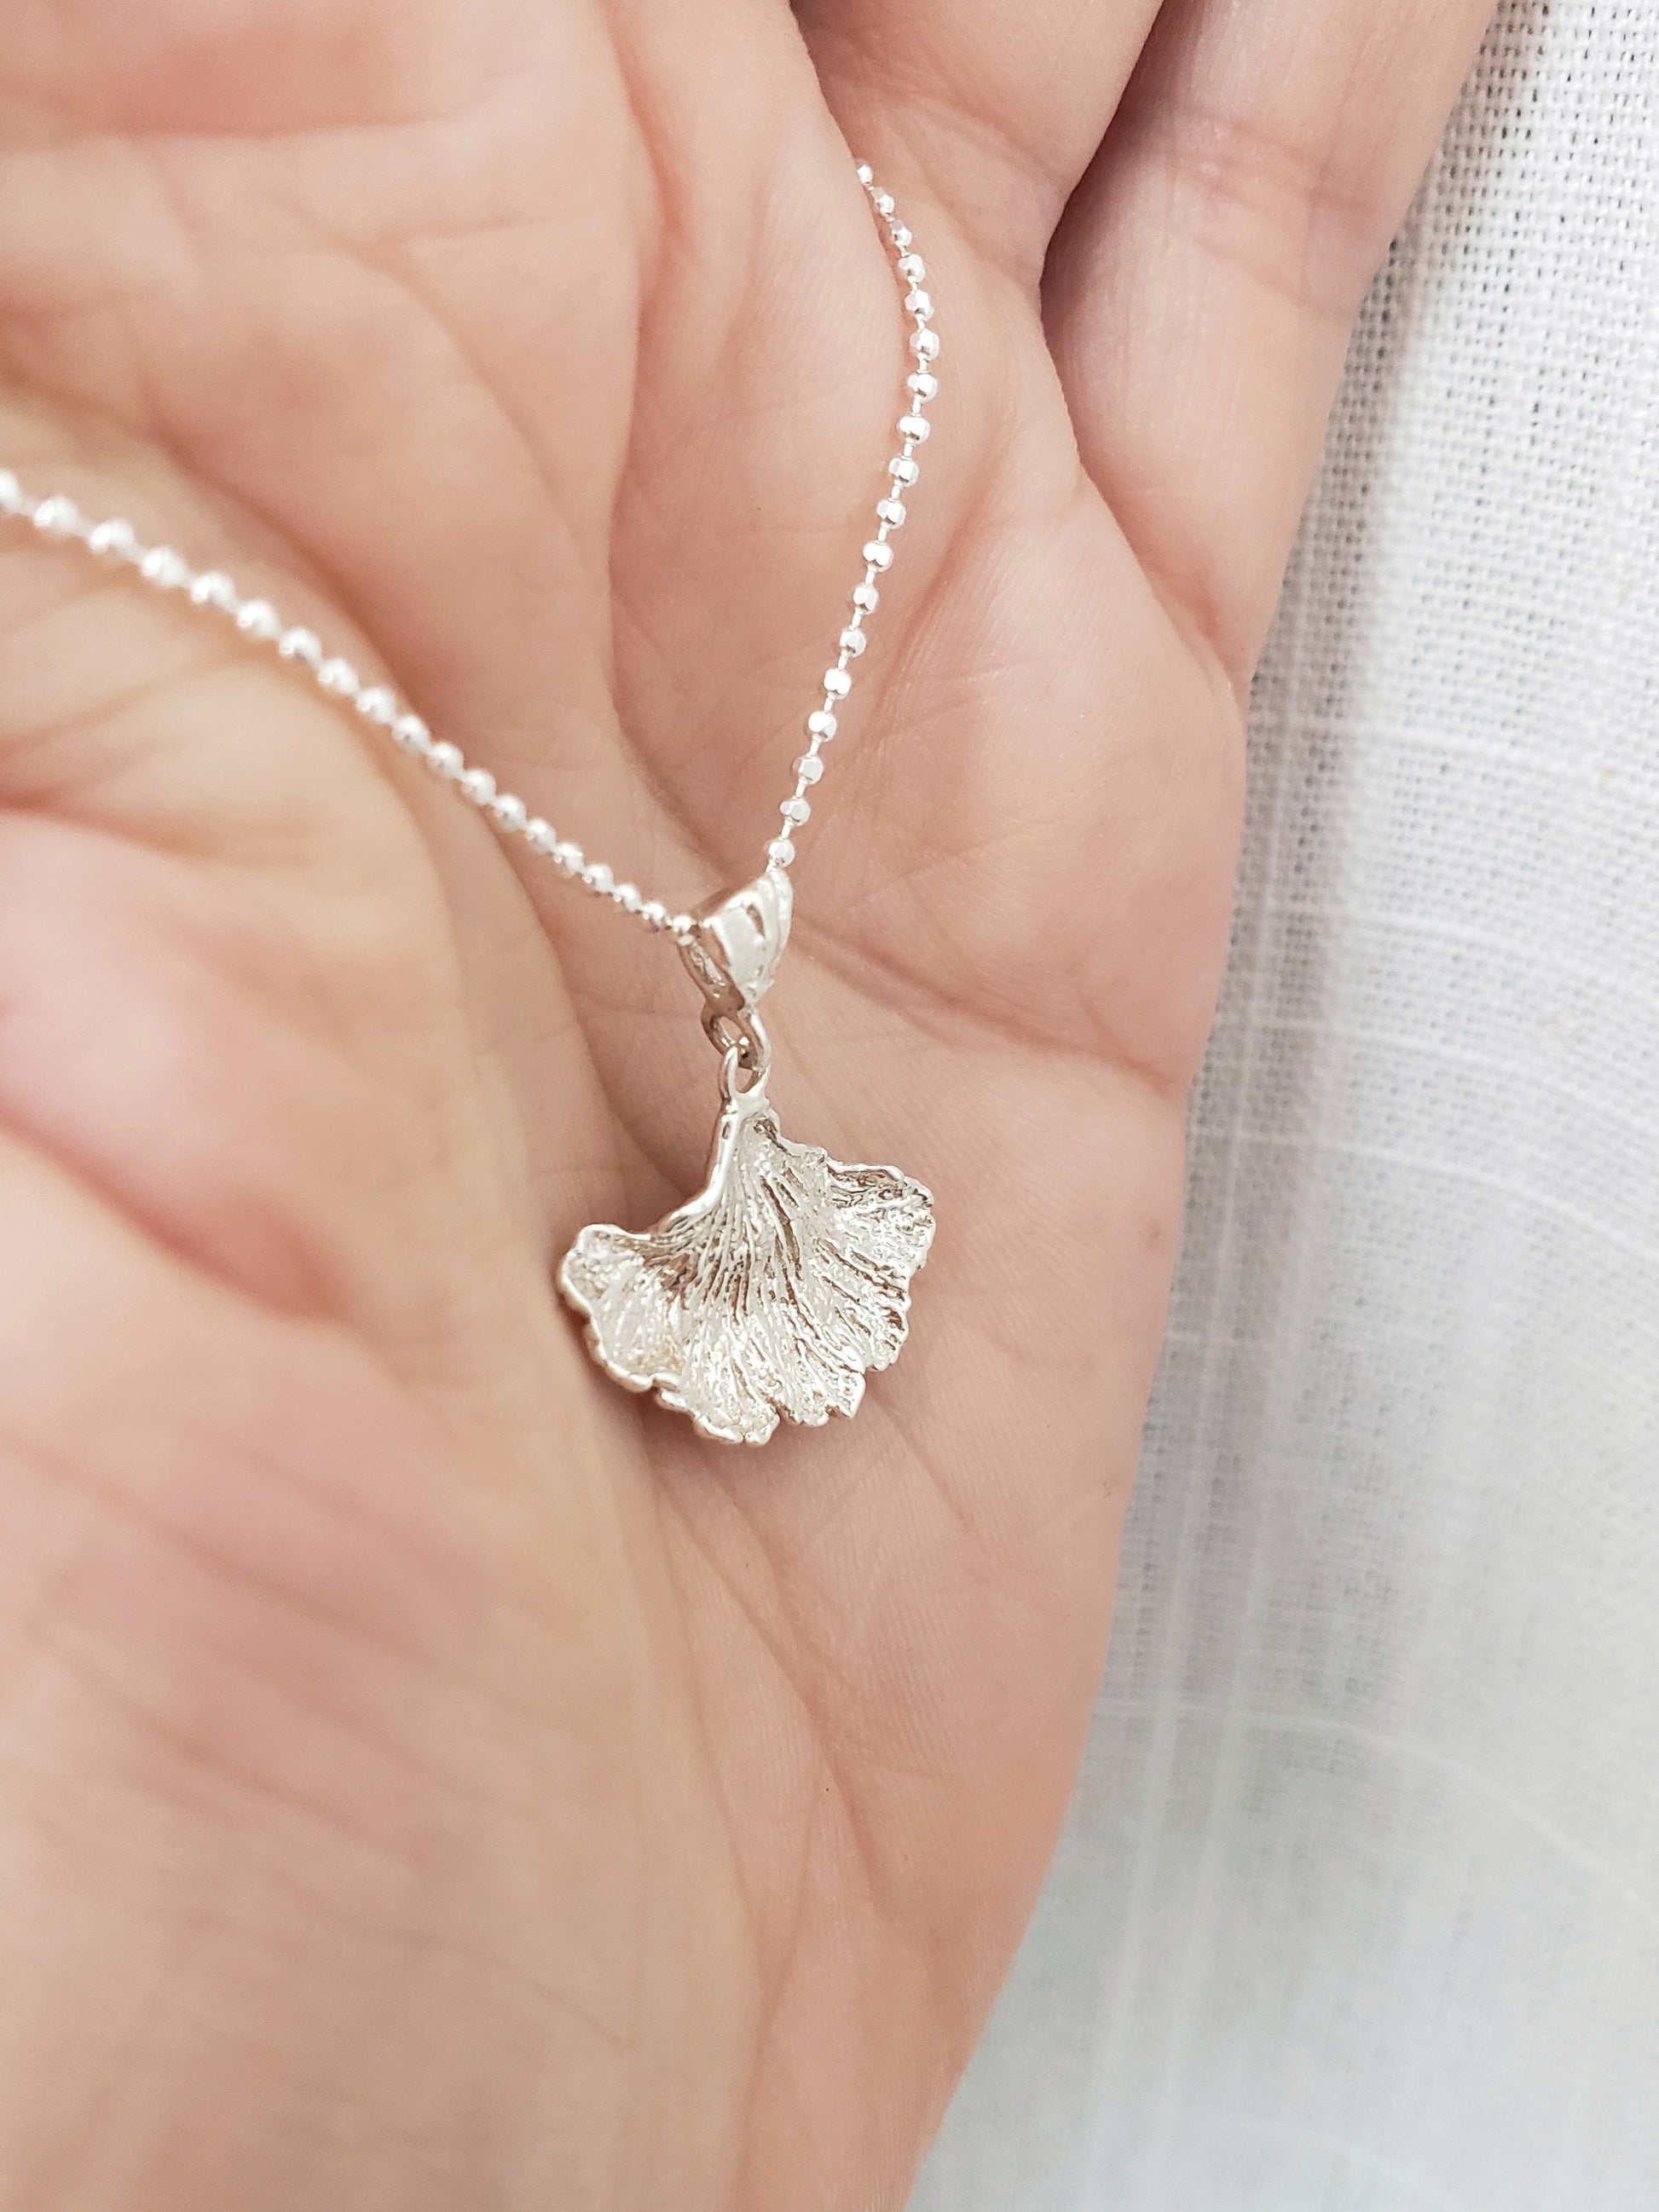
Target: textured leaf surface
x,y
769,1295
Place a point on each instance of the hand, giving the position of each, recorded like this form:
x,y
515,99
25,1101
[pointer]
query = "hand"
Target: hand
x,y
427,1777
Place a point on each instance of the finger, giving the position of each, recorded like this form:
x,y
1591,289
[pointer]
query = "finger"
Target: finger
x,y
1204,283
1001,106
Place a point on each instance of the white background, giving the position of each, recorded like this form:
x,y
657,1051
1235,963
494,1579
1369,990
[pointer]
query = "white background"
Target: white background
x,y
1358,1910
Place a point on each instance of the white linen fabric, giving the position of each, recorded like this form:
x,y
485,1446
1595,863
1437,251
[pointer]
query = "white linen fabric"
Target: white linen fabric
x,y
1359,1908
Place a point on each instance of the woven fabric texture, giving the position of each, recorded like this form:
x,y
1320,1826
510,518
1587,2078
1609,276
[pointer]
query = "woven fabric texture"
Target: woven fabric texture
x,y
1358,1909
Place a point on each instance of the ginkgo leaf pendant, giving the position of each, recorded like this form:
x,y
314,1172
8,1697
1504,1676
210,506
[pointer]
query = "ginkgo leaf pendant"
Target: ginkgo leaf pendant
x,y
768,1295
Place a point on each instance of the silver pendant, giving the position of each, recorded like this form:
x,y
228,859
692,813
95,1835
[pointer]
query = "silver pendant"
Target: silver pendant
x,y
772,1293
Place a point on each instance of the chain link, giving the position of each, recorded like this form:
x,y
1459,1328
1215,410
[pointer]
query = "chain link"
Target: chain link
x,y
117,543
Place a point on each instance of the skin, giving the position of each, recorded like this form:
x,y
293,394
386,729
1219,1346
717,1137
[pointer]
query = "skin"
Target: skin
x,y
429,1777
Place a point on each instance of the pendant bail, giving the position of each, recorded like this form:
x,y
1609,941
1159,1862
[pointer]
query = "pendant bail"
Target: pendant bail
x,y
732,955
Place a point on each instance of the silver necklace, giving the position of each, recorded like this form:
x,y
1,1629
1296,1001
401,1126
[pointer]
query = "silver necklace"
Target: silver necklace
x,y
772,1292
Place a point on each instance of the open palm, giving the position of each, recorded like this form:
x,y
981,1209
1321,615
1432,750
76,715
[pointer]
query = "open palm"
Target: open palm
x,y
428,1777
